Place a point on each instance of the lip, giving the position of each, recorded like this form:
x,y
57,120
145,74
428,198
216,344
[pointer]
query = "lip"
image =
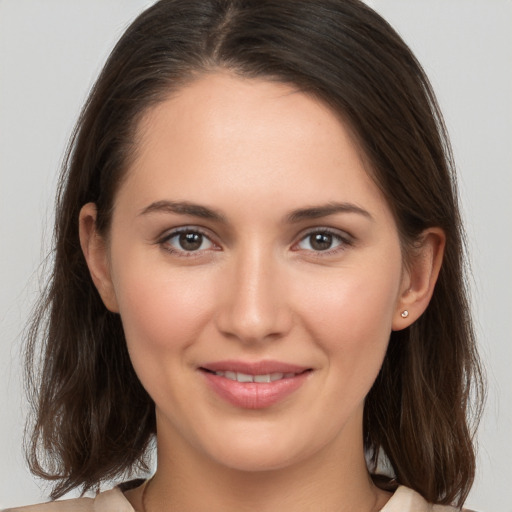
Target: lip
x,y
254,395
254,367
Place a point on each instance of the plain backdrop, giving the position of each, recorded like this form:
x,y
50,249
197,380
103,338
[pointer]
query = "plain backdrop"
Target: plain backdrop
x,y
52,50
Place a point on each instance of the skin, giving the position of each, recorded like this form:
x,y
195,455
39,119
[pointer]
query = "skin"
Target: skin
x,y
256,288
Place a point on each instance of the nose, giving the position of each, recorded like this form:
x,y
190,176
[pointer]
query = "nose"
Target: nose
x,y
255,304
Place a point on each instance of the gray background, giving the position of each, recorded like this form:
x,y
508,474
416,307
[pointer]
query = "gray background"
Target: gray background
x,y
50,53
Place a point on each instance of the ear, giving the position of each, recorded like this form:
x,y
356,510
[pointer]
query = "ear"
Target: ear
x,y
95,251
419,278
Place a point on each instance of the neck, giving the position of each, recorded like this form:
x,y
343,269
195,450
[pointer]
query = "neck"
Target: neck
x,y
334,479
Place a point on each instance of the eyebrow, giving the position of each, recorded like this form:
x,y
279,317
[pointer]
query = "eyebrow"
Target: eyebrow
x,y
301,214
317,212
184,208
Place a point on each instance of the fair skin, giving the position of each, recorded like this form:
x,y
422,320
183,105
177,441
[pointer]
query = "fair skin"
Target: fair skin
x,y
286,251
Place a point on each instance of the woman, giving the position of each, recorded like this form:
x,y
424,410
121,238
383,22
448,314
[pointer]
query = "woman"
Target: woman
x,y
258,263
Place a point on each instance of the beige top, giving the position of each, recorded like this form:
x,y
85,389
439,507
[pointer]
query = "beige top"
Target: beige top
x,y
403,500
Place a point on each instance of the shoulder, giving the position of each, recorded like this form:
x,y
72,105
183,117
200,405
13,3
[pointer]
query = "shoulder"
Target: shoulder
x,y
108,501
407,500
76,505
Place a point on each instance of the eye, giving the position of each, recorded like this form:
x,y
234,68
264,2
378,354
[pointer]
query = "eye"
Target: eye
x,y
187,240
323,241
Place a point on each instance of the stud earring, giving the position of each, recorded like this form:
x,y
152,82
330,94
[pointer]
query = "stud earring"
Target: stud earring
x,y
405,313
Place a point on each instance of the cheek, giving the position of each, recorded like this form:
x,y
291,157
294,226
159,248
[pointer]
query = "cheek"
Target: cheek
x,y
350,318
160,309
355,302
163,314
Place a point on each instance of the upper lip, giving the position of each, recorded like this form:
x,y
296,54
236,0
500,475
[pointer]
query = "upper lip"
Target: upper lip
x,y
254,367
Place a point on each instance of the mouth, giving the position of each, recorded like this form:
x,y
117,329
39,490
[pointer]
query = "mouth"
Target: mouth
x,y
254,385
261,377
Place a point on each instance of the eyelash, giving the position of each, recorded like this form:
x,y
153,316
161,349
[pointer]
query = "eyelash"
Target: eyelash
x,y
164,242
344,240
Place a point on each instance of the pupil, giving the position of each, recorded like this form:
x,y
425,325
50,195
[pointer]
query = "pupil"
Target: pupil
x,y
321,241
191,241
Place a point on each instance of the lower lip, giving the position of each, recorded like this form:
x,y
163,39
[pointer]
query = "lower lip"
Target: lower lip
x,y
254,395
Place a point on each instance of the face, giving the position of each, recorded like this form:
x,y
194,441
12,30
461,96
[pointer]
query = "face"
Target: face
x,y
257,270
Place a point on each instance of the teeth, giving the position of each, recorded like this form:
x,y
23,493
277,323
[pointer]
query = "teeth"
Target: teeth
x,y
244,377
262,378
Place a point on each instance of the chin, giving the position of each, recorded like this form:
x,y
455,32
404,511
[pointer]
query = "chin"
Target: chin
x,y
253,451
255,460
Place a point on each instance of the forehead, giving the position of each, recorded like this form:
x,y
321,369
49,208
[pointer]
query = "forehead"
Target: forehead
x,y
221,107
223,137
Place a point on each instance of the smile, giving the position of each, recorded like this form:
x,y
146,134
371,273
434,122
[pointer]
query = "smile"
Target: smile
x,y
254,385
245,377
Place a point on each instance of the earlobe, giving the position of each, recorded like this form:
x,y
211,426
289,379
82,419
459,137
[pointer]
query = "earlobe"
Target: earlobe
x,y
95,252
420,278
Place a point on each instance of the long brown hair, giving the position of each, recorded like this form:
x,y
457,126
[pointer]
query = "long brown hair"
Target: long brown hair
x,y
94,420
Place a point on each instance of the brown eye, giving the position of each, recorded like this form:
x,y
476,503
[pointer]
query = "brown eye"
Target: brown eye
x,y
190,241
186,241
322,241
